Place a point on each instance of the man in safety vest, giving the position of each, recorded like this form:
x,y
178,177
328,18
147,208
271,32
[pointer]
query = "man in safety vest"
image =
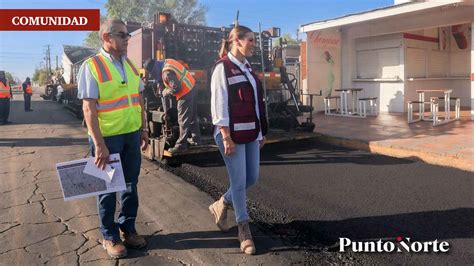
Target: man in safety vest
x,y
110,87
174,79
5,97
27,93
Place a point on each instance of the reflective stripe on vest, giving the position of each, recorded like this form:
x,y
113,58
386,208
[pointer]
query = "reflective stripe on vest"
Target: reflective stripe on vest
x,y
122,102
29,89
118,106
185,77
4,91
103,72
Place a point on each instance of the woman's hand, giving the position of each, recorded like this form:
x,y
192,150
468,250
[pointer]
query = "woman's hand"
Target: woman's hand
x,y
262,142
229,146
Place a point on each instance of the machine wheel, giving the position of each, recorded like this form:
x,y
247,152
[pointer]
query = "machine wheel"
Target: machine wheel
x,y
171,162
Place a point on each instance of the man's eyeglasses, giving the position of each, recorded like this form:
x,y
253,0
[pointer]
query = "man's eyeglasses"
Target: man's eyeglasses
x,y
121,35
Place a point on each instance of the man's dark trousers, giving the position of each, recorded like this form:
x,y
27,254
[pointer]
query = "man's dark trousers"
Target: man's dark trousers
x,y
27,98
4,110
128,146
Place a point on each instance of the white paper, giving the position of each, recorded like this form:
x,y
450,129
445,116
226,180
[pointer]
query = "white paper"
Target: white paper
x,y
107,174
75,184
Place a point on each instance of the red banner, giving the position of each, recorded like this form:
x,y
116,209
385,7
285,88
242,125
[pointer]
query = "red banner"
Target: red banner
x,y
49,19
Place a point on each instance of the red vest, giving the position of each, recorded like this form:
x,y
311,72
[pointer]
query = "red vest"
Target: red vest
x,y
29,89
244,123
5,90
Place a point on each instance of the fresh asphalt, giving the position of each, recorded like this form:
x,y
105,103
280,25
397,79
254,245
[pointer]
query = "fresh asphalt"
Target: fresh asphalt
x,y
311,194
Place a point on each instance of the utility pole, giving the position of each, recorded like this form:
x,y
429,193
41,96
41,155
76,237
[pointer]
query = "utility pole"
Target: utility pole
x,y
48,59
56,62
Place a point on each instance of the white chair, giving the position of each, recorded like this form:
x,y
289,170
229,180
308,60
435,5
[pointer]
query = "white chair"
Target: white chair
x,y
327,104
372,101
433,103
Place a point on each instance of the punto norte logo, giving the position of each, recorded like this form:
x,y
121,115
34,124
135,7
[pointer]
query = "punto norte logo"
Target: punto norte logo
x,y
400,245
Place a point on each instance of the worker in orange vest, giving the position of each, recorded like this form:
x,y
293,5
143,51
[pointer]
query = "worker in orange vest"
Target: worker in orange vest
x,y
174,79
27,92
5,97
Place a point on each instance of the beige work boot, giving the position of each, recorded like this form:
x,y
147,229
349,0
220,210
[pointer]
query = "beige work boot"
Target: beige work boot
x,y
219,209
245,238
134,240
115,249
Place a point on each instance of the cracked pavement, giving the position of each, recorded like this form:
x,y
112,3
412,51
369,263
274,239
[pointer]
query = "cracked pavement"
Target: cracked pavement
x,y
38,227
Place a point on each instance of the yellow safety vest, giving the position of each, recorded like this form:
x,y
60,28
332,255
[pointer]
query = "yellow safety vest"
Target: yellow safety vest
x,y
5,91
118,106
185,77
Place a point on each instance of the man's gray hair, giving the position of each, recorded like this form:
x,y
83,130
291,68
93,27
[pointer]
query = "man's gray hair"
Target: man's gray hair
x,y
108,26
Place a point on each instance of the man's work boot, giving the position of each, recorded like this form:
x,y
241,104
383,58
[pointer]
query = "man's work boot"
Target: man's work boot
x,y
114,248
193,142
178,148
134,240
245,238
219,210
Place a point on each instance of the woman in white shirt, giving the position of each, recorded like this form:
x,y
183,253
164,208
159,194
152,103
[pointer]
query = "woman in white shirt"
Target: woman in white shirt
x,y
240,125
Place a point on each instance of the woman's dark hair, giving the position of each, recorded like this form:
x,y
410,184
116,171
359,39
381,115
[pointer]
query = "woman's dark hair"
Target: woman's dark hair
x,y
236,33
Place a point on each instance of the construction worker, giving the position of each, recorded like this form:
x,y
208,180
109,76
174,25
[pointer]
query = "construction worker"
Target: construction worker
x,y
240,126
5,96
27,93
174,79
110,87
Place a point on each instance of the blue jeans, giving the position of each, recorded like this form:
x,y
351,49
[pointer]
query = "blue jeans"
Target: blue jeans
x,y
242,167
128,145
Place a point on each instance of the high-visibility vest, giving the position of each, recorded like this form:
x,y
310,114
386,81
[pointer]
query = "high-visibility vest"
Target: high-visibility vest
x,y
118,106
5,91
185,77
29,89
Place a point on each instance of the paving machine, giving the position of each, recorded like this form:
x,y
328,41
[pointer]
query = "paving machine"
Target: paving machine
x,y
198,47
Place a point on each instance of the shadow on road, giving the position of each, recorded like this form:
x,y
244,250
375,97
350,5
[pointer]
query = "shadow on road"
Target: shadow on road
x,y
42,142
265,243
419,226
305,152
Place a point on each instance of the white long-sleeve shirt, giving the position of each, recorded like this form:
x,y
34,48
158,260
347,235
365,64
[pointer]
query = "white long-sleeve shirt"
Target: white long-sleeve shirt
x,y
219,96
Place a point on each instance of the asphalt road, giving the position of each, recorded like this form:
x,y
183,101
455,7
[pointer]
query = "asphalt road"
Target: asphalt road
x,y
312,194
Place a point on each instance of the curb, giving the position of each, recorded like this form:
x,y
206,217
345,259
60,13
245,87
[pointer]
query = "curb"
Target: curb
x,y
427,157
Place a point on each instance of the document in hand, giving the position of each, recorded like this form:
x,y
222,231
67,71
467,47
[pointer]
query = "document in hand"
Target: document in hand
x,y
76,184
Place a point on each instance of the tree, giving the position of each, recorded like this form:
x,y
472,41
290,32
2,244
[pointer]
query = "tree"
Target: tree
x,y
143,11
289,39
10,78
40,76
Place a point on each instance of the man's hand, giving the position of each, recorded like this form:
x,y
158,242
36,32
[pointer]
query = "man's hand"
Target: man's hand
x,y
167,93
144,140
101,155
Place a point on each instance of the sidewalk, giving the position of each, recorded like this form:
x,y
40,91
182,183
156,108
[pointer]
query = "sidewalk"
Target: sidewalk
x,y
37,226
451,144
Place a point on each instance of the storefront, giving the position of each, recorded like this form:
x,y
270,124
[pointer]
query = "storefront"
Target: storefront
x,y
392,52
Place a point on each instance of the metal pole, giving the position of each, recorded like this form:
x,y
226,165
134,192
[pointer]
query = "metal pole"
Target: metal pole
x,y
263,73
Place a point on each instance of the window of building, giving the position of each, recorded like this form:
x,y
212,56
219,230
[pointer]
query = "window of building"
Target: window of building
x,y
383,63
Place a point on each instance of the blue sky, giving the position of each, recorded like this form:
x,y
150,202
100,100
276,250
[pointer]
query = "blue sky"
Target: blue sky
x,y
22,51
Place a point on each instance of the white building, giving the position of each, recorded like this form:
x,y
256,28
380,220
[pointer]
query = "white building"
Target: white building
x,y
72,59
391,52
